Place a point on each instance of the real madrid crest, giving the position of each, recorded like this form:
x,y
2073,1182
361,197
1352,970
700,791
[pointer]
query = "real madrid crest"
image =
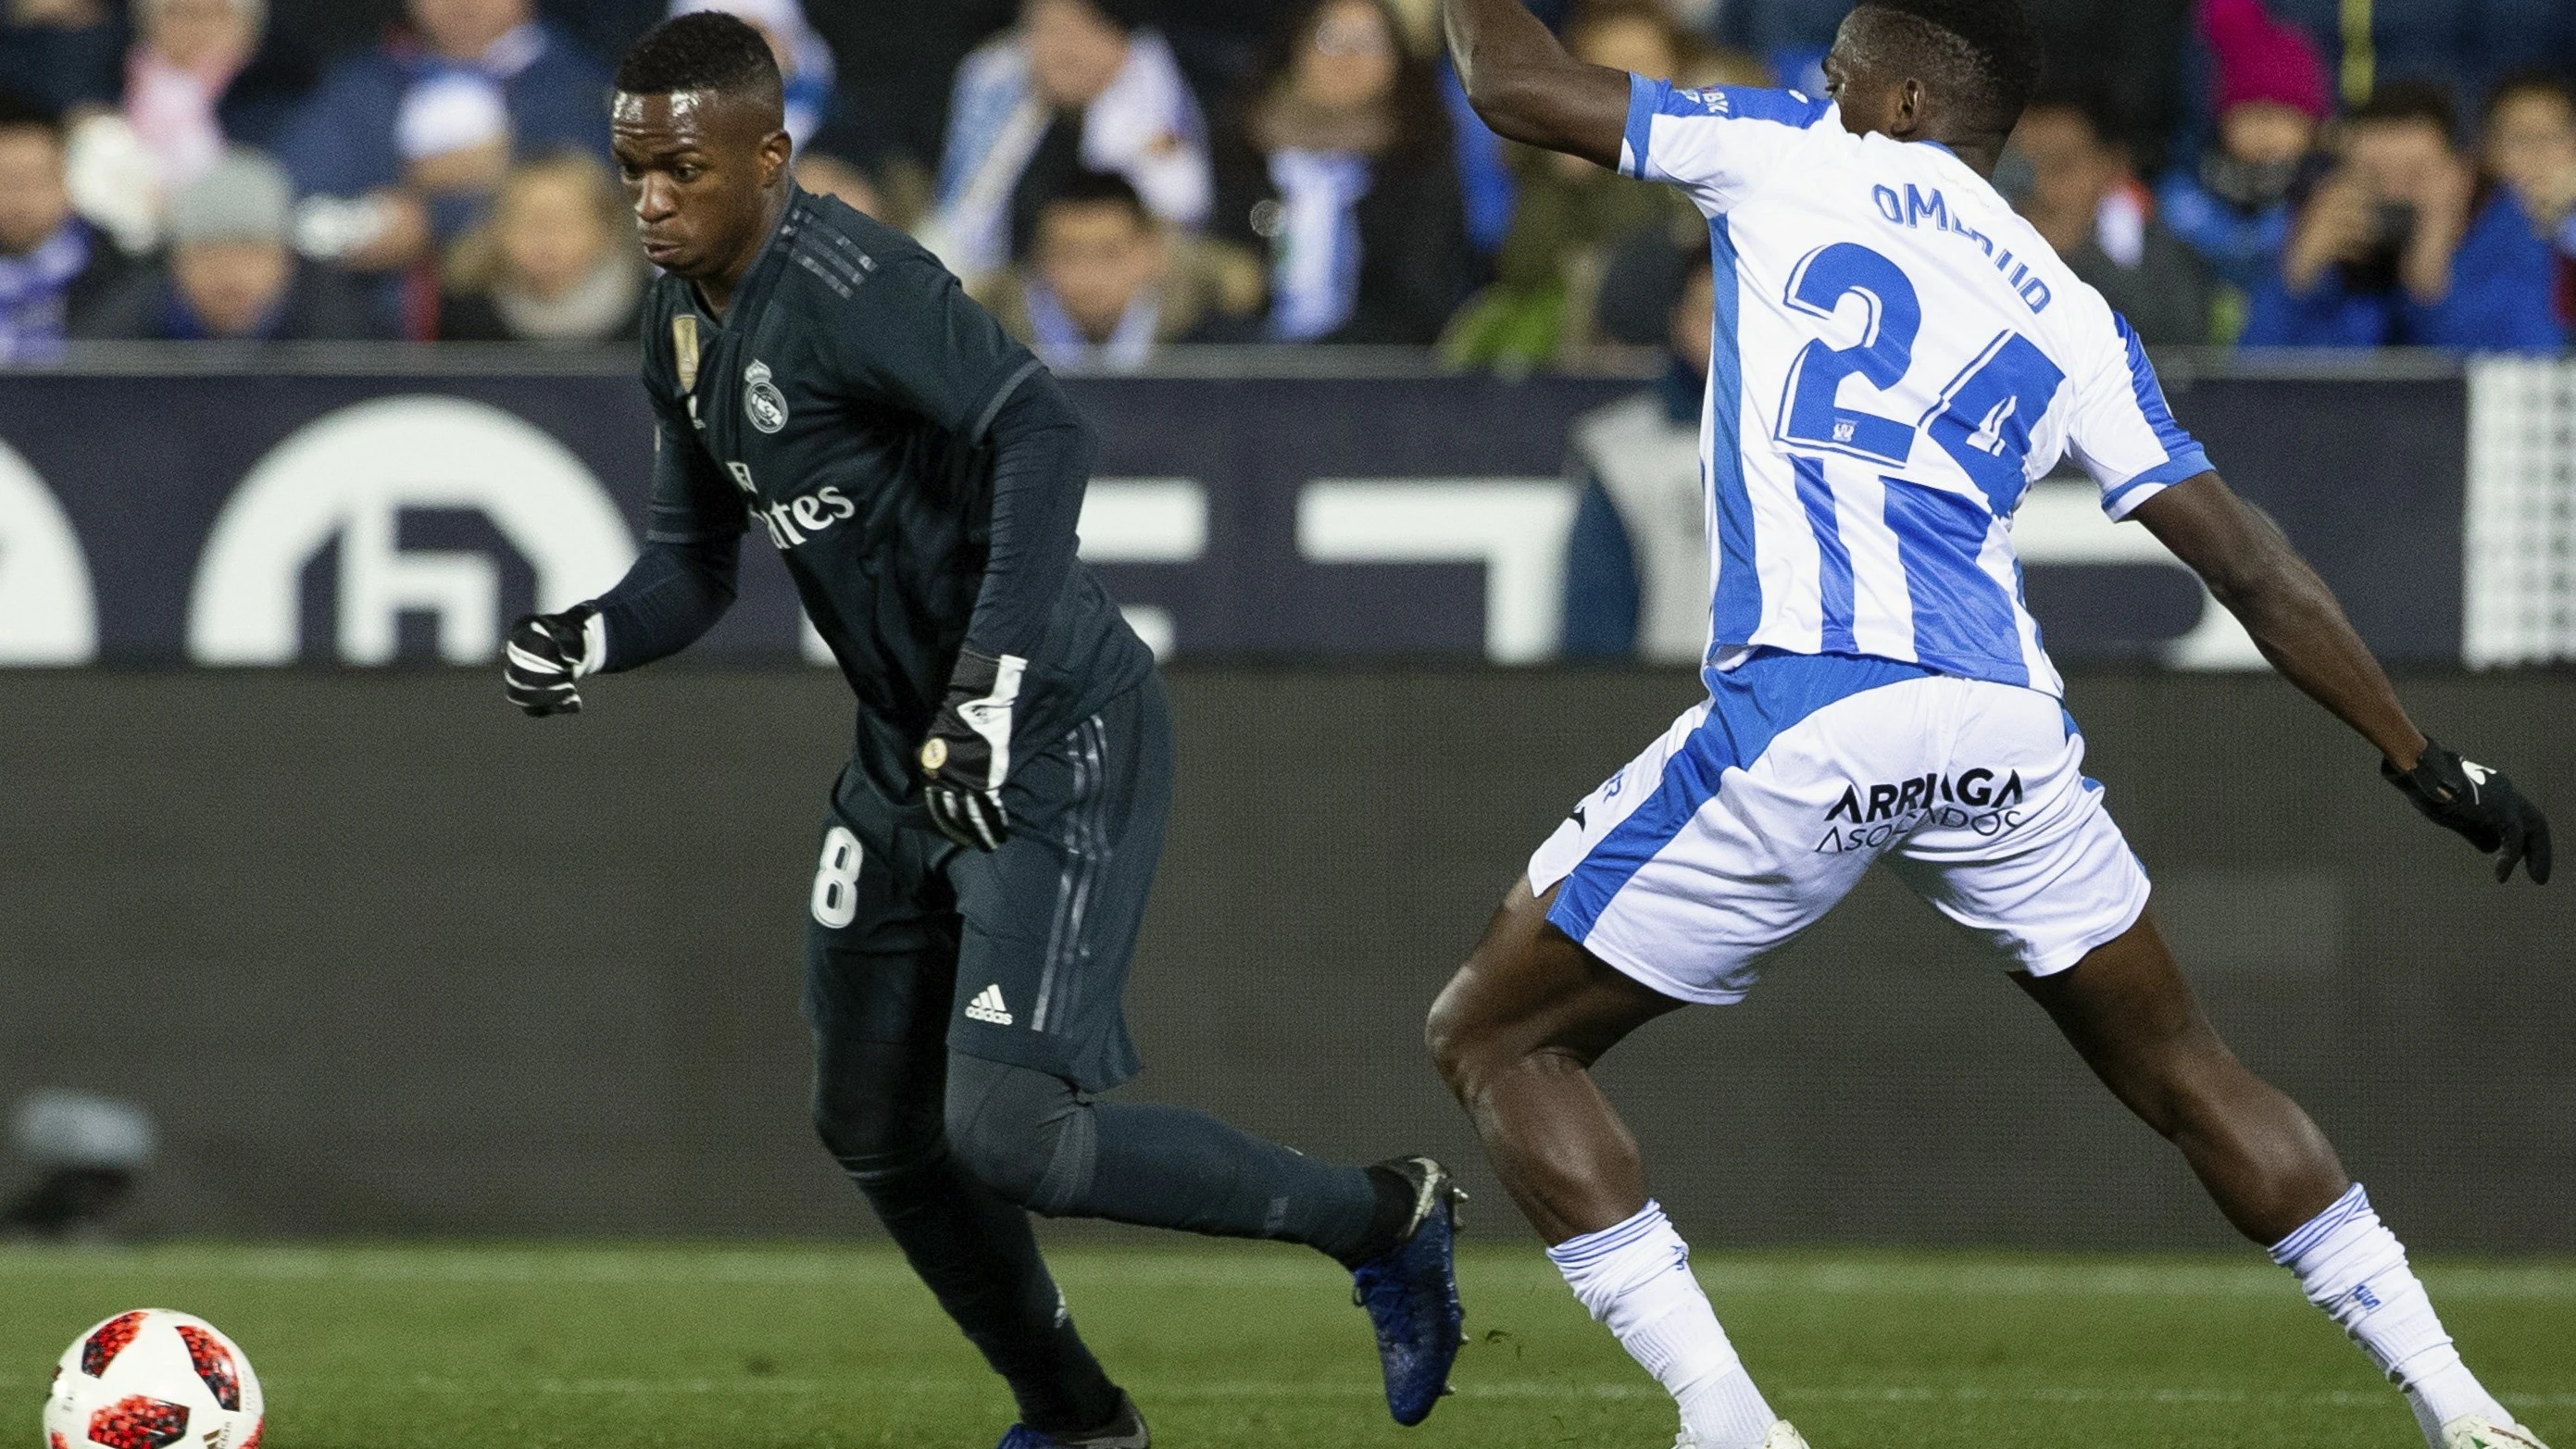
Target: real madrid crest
x,y
684,343
762,399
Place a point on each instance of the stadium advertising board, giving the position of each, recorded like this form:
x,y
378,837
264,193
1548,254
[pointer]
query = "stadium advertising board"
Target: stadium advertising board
x,y
264,519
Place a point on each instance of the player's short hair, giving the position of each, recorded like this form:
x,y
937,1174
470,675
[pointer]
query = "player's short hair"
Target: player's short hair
x,y
1128,15
25,113
2105,123
705,50
2529,82
2405,102
1984,50
1100,188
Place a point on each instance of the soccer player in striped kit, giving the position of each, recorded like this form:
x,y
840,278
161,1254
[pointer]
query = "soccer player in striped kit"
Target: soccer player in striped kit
x,y
1897,356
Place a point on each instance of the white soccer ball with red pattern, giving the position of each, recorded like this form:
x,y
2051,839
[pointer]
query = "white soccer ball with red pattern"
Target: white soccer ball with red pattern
x,y
153,1379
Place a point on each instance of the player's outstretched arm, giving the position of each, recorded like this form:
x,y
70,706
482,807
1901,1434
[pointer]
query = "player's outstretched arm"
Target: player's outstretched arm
x,y
1525,85
2253,569
674,594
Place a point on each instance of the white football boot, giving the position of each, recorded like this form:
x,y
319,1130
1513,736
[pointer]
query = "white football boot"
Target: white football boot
x,y
1785,1435
2477,1431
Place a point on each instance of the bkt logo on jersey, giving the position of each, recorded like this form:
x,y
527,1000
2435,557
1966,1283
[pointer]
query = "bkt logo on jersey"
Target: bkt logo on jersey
x,y
1971,800
790,523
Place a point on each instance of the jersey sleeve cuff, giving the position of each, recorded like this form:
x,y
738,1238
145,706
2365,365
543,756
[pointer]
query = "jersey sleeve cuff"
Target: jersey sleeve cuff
x,y
2122,501
1645,97
594,644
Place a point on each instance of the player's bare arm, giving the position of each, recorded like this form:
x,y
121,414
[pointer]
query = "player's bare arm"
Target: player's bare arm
x,y
1525,85
2253,569
1719,843
2250,565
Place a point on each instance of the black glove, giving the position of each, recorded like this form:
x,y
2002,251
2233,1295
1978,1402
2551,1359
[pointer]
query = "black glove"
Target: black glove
x,y
2479,803
546,653
968,754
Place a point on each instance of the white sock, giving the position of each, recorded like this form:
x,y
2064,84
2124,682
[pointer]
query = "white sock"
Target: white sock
x,y
2356,1271
1636,1278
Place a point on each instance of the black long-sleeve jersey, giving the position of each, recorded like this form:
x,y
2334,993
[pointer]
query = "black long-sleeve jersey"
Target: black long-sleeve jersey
x,y
919,471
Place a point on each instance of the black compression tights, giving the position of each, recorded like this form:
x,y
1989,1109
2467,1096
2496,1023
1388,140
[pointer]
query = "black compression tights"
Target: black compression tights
x,y
952,1159
1060,1152
969,1244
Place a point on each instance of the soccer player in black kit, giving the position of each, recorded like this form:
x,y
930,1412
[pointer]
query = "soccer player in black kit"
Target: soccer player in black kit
x,y
987,852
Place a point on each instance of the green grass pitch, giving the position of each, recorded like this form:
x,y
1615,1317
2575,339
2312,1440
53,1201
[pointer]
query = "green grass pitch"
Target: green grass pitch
x,y
1248,1347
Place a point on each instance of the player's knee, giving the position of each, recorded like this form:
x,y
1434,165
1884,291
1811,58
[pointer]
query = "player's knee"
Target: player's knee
x,y
1024,1133
871,1142
1459,1034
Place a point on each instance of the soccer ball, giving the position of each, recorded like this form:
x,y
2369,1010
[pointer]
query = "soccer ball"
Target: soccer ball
x,y
152,1379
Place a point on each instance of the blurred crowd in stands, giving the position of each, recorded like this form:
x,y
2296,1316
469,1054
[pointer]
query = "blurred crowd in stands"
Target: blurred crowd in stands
x,y
1114,176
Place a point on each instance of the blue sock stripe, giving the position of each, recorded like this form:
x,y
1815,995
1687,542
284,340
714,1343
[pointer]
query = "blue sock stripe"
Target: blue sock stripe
x,y
2351,1205
1593,1247
1608,1243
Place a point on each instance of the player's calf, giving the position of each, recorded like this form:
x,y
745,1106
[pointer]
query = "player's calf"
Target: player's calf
x,y
1515,1035
2127,1010
1034,1140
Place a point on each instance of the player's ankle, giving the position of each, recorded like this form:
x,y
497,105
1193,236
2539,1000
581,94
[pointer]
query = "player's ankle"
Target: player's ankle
x,y
1388,1220
1082,1416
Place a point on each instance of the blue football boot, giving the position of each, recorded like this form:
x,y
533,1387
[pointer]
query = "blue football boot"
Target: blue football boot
x,y
1411,1294
1127,1431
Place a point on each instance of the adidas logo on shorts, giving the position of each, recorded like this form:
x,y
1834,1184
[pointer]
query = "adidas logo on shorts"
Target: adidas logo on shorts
x,y
987,1007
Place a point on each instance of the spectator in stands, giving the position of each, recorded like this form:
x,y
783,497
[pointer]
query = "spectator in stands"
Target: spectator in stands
x,y
2233,204
825,174
856,154
2403,243
2082,196
604,29
2529,145
186,57
555,263
803,59
1791,36
1077,85
2465,46
232,273
64,55
53,266
1571,212
1337,167
2123,60
1109,284
419,131
201,77
1636,569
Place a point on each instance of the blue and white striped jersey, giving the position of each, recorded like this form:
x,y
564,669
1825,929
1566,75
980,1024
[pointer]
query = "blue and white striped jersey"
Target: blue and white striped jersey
x,y
1898,356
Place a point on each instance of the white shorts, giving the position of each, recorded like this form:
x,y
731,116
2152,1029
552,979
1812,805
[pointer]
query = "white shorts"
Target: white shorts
x,y
1759,810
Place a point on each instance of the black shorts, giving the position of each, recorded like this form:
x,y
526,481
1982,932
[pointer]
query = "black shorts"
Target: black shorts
x,y
1019,956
